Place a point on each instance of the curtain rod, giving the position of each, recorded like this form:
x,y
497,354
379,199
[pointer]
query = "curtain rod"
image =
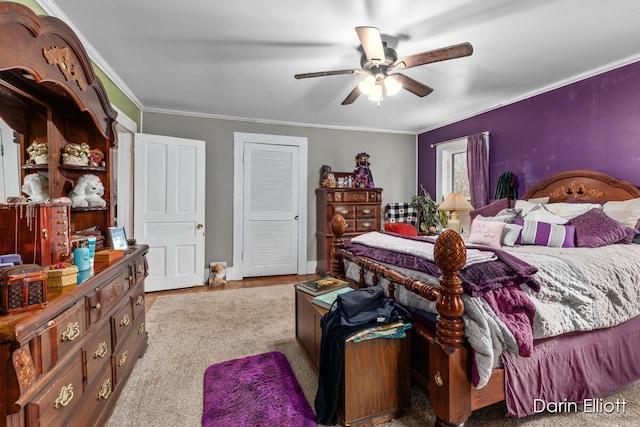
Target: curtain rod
x,y
486,133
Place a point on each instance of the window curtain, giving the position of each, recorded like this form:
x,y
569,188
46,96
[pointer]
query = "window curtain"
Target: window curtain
x,y
478,169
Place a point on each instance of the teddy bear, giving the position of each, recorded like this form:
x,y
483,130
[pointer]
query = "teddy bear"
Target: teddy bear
x,y
88,192
217,275
36,187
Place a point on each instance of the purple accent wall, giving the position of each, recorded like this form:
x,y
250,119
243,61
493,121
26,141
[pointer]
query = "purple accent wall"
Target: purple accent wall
x,y
591,124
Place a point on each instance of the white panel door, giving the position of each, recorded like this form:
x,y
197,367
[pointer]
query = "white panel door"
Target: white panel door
x,y
270,210
169,205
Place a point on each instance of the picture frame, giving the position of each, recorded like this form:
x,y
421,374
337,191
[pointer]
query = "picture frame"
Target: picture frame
x,y
118,238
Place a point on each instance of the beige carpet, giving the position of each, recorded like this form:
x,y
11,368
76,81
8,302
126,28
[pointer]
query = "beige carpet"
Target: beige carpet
x,y
189,332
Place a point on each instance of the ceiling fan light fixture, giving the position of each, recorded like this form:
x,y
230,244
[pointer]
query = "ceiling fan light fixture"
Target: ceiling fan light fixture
x,y
366,86
391,85
376,93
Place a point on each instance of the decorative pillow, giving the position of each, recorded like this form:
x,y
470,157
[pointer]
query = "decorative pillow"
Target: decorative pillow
x,y
571,210
401,228
488,233
491,209
510,234
626,212
539,200
541,214
594,228
525,206
505,215
545,234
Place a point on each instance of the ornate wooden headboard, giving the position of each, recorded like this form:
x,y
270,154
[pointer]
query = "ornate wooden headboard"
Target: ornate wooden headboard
x,y
583,185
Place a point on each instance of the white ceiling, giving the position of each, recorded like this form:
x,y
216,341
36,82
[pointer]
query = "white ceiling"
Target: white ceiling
x,y
237,59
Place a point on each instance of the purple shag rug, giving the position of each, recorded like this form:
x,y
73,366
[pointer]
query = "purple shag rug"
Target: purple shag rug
x,y
259,390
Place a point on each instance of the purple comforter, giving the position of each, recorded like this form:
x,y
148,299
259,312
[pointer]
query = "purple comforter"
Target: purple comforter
x,y
497,282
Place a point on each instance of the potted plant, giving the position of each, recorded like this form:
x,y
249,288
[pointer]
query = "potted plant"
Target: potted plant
x,y
429,218
38,153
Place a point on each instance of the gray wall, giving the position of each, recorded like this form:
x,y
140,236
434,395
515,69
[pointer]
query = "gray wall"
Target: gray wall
x,y
393,164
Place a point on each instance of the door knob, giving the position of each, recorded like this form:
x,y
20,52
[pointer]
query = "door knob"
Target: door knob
x,y
199,226
296,218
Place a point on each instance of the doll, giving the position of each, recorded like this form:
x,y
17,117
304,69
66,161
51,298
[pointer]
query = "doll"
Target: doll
x,y
362,176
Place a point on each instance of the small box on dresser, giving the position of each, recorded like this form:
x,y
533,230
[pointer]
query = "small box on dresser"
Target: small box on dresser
x,y
22,287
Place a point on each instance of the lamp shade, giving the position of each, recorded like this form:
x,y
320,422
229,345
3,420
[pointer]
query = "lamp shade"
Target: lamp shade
x,y
455,202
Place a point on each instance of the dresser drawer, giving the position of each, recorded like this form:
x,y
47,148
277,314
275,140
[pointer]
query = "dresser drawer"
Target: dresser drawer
x,y
138,301
366,211
121,323
59,336
106,297
347,211
139,271
58,401
98,396
366,225
97,352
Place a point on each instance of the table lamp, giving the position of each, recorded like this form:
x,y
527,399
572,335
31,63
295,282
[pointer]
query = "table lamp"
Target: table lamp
x,y
455,202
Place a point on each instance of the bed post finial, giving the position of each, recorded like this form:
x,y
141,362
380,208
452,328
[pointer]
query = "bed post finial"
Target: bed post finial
x,y
338,227
450,255
450,390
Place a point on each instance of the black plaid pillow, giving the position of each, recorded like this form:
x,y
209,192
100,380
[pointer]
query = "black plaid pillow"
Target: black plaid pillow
x,y
401,212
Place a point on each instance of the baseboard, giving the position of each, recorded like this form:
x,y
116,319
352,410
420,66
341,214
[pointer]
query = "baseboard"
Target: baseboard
x,y
233,274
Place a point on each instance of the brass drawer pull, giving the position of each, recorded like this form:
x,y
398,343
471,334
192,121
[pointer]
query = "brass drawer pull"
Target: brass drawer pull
x,y
45,233
62,233
61,211
64,221
72,332
140,268
125,320
65,396
105,390
366,224
98,306
101,351
141,329
64,244
344,211
123,358
367,211
140,300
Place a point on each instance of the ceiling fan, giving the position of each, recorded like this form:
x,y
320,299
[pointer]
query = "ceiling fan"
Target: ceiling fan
x,y
381,63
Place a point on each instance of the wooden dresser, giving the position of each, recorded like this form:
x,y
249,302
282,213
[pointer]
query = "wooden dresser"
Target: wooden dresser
x,y
66,364
360,207
40,233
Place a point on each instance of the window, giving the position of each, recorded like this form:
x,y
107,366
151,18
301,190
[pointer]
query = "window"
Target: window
x,y
451,169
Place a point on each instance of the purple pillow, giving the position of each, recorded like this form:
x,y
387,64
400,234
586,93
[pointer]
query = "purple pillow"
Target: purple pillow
x,y
594,228
545,234
491,209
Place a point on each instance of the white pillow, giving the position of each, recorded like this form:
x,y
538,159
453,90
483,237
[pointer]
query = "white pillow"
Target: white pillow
x,y
540,214
525,206
571,210
539,200
510,234
626,212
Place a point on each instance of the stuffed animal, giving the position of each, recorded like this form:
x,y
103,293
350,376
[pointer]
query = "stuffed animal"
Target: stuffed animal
x,y
326,169
362,176
88,192
217,275
36,187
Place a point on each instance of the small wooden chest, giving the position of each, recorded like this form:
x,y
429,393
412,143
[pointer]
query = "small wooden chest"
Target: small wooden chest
x,y
22,287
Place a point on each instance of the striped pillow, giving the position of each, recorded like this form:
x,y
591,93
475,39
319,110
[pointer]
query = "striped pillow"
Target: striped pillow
x,y
545,234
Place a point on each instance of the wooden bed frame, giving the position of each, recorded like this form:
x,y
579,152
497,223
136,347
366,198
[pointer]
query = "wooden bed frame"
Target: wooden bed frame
x,y
441,358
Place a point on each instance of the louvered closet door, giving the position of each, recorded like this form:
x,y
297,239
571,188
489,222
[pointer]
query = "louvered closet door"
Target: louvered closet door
x,y
270,210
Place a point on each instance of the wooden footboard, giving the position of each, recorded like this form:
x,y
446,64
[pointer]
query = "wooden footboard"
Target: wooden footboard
x,y
441,361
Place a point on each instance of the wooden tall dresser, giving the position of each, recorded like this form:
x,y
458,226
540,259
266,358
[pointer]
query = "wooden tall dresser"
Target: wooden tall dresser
x,y
360,207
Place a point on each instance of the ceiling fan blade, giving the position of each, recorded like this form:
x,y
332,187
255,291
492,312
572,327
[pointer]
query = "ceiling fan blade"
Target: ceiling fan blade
x,y
442,54
324,73
371,43
355,93
412,85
